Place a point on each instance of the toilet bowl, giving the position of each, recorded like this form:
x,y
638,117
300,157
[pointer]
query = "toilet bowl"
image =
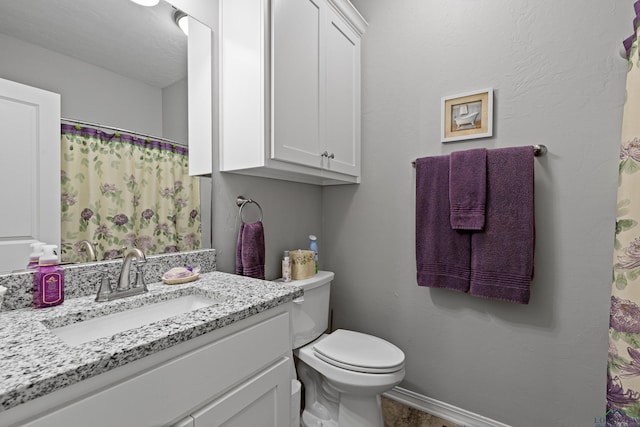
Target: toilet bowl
x,y
343,372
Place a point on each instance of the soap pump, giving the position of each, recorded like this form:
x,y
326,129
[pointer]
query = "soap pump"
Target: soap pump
x,y
48,279
34,257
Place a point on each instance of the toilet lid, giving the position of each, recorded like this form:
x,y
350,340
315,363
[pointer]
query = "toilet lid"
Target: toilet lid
x,y
359,352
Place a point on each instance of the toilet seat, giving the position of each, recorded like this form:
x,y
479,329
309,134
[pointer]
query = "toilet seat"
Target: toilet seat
x,y
359,352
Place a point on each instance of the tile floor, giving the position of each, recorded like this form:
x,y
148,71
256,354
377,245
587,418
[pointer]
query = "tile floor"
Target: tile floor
x,y
396,414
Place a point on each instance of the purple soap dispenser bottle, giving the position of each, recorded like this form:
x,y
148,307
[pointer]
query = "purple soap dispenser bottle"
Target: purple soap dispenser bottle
x,y
48,279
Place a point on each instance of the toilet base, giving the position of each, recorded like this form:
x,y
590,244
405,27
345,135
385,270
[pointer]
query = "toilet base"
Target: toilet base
x,y
360,411
326,406
353,411
310,420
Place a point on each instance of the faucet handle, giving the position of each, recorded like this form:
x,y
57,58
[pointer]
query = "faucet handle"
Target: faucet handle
x,y
139,279
104,289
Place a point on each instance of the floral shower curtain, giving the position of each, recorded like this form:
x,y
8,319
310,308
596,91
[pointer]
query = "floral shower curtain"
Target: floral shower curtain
x,y
623,374
120,191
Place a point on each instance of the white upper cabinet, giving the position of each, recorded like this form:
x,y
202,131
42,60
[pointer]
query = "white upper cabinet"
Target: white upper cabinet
x,y
290,89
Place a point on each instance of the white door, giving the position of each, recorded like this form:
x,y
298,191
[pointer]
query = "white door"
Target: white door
x,y
262,401
296,82
29,171
342,103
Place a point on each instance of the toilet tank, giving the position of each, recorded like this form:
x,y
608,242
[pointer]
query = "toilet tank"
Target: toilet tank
x,y
310,314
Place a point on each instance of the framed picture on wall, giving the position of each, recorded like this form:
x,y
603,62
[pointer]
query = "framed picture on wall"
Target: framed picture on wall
x,y
467,115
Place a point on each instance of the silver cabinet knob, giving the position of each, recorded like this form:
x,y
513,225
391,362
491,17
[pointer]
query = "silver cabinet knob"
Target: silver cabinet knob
x,y
325,154
331,156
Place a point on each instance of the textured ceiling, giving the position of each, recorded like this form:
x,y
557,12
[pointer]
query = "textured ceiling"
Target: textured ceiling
x,y
142,43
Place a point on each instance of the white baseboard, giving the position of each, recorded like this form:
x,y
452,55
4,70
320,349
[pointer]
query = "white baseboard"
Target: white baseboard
x,y
440,409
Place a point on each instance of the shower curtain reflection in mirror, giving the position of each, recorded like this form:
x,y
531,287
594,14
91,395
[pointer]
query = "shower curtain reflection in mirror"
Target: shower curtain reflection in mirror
x,y
120,190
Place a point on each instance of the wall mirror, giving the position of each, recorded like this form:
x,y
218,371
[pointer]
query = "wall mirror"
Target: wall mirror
x,y
142,47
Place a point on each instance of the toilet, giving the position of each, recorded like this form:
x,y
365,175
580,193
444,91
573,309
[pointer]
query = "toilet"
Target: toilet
x,y
343,372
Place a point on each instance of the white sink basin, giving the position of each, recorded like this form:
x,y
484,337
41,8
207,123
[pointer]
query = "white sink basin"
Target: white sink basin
x,y
104,326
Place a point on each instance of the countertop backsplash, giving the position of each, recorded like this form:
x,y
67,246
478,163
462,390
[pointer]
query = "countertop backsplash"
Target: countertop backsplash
x,y
77,283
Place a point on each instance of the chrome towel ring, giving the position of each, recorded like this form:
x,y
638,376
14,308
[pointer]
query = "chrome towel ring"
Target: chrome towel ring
x,y
241,201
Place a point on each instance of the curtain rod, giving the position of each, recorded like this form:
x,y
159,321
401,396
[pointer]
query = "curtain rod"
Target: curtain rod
x,y
115,129
538,150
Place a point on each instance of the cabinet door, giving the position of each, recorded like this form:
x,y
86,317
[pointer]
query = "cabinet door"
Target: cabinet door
x,y
29,171
264,401
341,52
296,78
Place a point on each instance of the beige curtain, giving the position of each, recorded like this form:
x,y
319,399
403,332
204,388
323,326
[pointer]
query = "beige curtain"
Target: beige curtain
x,y
124,191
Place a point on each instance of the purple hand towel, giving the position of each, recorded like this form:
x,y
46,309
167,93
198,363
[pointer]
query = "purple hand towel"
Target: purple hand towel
x,y
442,254
250,253
468,189
502,254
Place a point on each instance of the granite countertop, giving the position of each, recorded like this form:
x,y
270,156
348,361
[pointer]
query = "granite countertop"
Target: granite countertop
x,y
35,362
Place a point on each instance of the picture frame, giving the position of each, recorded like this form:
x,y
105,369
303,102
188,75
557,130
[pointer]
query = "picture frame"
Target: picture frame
x,y
467,115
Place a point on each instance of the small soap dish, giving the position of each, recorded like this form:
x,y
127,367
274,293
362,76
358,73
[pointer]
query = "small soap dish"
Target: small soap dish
x,y
180,280
179,275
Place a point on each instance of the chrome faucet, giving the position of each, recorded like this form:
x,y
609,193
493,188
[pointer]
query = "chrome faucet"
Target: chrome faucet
x,y
124,283
89,248
124,288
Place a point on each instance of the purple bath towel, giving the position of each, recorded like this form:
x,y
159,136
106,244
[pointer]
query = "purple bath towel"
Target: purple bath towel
x,y
468,189
250,252
502,254
442,253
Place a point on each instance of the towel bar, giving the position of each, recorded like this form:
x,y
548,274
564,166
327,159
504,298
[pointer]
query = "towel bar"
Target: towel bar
x,y
538,150
241,201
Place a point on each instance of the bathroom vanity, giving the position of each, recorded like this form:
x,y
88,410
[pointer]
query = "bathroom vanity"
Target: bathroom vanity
x,y
228,362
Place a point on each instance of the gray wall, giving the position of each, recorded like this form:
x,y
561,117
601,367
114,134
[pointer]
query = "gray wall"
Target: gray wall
x,y
291,212
88,92
558,80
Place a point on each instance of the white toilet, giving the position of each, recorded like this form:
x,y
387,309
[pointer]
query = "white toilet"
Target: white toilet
x,y
343,372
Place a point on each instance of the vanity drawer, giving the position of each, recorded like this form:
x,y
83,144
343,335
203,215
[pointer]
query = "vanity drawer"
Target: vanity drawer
x,y
169,391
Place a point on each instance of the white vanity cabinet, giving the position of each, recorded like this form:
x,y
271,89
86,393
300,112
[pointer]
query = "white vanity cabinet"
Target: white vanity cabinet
x,y
290,89
238,375
257,402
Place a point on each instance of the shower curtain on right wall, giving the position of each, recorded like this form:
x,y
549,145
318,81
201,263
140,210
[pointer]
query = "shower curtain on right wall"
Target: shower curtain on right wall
x,y
623,374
